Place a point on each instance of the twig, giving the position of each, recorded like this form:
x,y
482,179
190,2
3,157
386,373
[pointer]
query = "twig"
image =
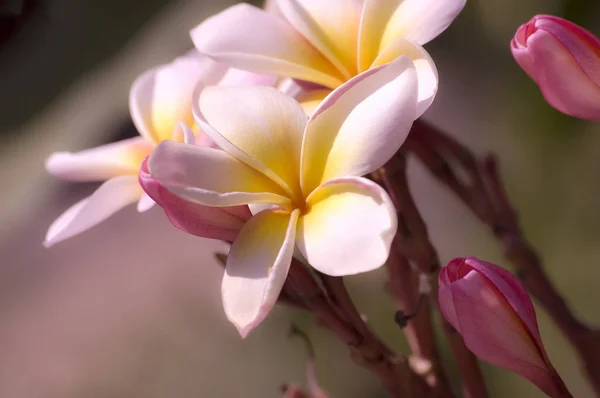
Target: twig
x,y
412,243
342,318
484,194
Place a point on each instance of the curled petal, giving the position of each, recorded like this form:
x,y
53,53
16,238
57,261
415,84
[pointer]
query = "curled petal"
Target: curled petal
x,y
109,198
348,228
257,267
102,162
211,176
162,96
247,37
360,125
426,70
490,308
264,131
222,223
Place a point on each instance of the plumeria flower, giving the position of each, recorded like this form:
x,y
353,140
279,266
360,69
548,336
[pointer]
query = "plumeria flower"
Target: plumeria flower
x,y
490,308
305,175
564,60
328,42
160,105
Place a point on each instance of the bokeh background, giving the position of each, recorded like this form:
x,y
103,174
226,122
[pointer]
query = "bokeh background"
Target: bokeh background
x,y
131,308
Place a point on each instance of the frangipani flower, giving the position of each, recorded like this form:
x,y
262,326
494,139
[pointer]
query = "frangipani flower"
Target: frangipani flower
x,y
305,174
564,60
328,41
490,308
160,105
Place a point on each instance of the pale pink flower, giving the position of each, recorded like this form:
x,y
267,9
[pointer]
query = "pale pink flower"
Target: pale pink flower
x,y
490,308
564,60
328,42
161,109
306,176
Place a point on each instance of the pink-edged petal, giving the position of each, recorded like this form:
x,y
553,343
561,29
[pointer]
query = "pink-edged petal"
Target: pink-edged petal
x,y
260,126
331,26
427,74
102,162
162,96
246,37
257,266
211,176
360,125
109,198
145,203
348,228
222,223
562,81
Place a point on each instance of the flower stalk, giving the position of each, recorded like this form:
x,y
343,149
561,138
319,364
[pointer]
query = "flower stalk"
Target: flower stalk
x,y
484,194
412,244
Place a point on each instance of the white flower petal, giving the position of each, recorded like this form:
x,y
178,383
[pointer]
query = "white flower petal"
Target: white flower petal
x,y
145,203
102,162
246,37
360,125
162,96
421,20
260,126
426,69
384,21
257,267
211,176
109,198
331,26
349,228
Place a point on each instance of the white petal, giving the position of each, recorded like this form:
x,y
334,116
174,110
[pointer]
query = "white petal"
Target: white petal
x,y
421,20
240,77
109,198
349,228
102,162
257,267
331,26
426,71
211,176
260,126
360,125
246,37
162,96
145,203
184,133
384,21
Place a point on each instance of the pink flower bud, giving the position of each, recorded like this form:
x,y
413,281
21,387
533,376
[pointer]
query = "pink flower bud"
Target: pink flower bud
x,y
490,308
564,60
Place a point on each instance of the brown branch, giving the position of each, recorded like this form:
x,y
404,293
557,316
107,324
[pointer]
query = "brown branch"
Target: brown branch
x,y
484,194
412,243
336,311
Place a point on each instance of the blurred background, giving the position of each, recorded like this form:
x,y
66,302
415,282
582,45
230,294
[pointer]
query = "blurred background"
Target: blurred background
x,y
131,308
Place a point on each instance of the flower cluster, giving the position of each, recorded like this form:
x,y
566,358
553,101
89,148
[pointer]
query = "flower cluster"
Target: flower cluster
x,y
264,134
